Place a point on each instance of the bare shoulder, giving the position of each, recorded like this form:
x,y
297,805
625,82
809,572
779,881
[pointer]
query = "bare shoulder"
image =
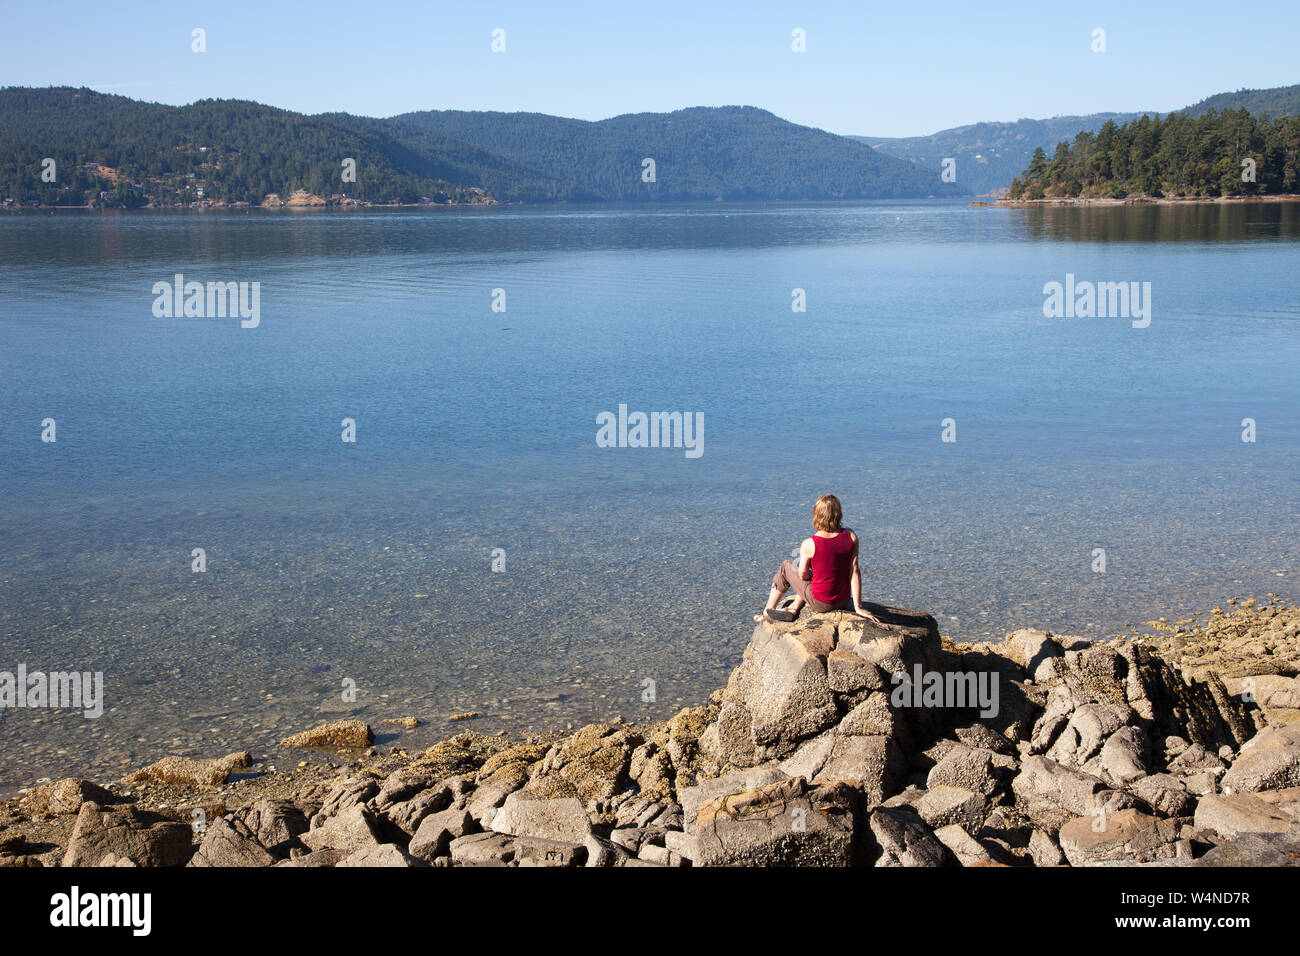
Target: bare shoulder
x,y
807,546
852,535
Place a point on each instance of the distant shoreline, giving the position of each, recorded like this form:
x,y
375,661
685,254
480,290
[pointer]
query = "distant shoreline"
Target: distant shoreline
x,y
514,203
290,207
1143,200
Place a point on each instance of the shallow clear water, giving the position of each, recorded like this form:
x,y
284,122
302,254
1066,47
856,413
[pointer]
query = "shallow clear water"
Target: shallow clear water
x,y
476,430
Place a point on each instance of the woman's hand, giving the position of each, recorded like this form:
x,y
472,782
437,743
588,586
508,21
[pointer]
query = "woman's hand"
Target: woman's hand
x,y
868,615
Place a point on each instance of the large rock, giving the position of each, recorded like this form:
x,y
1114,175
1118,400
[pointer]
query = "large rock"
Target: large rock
x,y
355,828
692,798
525,814
532,851
976,769
1255,850
963,846
1270,811
788,823
65,796
1086,729
1164,793
680,740
1036,651
230,843
874,764
874,717
1050,794
1127,835
1202,711
410,814
1267,691
852,674
902,838
353,792
402,785
944,806
274,823
781,692
592,765
1106,687
1124,757
146,839
1269,761
796,681
433,838
386,855
483,849
986,669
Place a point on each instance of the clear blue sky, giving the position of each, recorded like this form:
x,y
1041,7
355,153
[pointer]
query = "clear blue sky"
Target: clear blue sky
x,y
888,69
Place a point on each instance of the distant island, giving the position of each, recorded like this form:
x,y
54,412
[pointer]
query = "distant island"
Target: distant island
x,y
1217,155
114,152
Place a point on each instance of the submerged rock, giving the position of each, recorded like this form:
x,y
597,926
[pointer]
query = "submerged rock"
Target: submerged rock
x,y
184,771
338,735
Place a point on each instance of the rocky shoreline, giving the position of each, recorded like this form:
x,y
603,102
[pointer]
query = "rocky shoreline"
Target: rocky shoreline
x,y
836,742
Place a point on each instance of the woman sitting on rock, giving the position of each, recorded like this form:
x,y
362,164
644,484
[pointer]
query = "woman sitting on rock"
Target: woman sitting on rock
x,y
827,576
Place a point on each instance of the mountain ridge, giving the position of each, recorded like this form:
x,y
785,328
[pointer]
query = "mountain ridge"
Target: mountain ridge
x,y
990,154
111,150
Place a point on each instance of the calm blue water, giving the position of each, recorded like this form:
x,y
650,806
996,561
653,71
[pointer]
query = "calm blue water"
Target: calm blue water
x,y
476,430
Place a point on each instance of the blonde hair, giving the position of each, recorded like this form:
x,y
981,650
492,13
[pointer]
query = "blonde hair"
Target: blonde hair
x,y
827,514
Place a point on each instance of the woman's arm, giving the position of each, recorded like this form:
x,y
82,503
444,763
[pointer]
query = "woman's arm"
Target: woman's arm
x,y
855,585
806,551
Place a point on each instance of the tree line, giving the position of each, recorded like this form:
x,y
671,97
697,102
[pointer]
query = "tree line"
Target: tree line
x,y
110,150
1229,153
115,151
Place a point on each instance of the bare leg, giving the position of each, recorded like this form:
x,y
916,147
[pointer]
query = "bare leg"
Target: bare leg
x,y
772,597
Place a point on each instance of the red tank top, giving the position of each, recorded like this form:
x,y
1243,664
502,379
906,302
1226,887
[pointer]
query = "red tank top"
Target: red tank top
x,y
832,567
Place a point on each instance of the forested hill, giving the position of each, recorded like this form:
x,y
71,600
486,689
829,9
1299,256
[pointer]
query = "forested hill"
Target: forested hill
x,y
1232,153
1277,101
988,155
730,152
114,151
234,151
